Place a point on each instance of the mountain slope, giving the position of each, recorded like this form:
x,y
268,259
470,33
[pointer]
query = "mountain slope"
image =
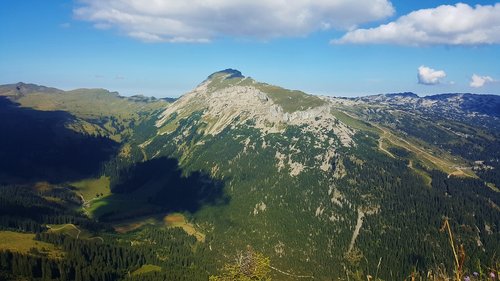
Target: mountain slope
x,y
326,187
322,182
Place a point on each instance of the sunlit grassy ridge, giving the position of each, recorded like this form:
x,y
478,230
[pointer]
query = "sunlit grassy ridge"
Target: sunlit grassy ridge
x,y
90,103
290,100
99,111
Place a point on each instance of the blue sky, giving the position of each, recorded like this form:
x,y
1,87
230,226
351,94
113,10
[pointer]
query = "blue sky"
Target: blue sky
x,y
333,47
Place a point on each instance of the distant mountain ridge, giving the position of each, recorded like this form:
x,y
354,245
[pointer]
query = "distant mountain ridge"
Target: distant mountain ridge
x,y
487,103
24,89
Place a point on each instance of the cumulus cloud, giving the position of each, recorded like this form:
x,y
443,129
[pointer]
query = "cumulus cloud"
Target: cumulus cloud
x,y
202,20
479,81
460,24
429,76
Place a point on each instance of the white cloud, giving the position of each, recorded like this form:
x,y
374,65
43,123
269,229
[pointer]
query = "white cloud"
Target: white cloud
x,y
204,20
479,81
460,24
429,76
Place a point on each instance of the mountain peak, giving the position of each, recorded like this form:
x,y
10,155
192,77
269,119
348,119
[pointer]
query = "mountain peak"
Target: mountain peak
x,y
229,73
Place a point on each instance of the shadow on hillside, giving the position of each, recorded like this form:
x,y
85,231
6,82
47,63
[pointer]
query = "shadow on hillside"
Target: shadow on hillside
x,y
159,186
36,146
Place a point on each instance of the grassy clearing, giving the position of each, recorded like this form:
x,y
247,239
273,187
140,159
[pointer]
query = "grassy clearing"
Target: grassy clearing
x,y
427,178
72,231
146,268
121,206
174,220
68,229
23,242
178,220
92,209
89,188
106,205
354,123
171,220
